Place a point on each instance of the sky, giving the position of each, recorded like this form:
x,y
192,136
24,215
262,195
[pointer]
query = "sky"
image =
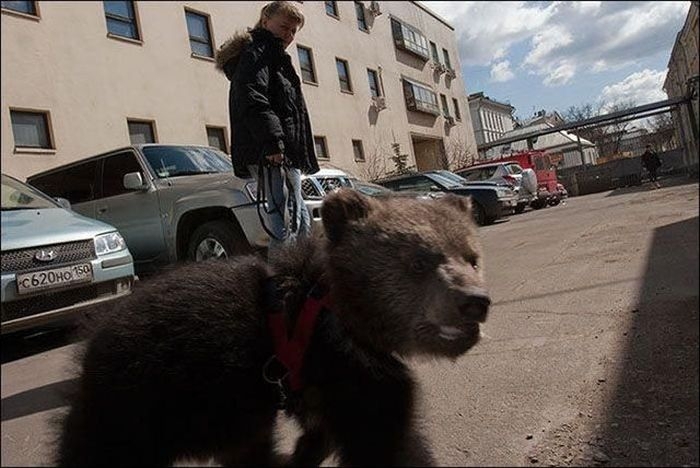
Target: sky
x,y
553,55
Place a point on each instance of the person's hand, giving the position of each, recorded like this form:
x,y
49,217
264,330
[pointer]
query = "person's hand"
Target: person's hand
x,y
275,159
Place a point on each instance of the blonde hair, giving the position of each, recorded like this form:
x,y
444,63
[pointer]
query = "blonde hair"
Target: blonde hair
x,y
287,9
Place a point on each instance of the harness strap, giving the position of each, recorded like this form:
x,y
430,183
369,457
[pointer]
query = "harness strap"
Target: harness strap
x,y
290,350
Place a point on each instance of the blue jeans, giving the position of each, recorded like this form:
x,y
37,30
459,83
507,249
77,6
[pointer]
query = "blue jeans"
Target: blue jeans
x,y
279,204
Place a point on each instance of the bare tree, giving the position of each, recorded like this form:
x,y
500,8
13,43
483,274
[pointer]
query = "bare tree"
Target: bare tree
x,y
607,138
456,154
663,132
374,166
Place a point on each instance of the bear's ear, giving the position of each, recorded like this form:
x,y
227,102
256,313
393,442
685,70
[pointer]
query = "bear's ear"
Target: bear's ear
x,y
341,207
460,202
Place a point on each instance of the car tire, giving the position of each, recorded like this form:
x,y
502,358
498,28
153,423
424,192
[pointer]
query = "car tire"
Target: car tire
x,y
538,203
553,201
520,207
217,239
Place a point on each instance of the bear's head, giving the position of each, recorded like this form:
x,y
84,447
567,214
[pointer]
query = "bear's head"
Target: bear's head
x,y
406,273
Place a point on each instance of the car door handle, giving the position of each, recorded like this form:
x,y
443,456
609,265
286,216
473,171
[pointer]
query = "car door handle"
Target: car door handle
x,y
102,210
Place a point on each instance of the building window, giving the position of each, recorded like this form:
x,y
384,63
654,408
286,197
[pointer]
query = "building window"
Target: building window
x,y
373,79
419,98
28,8
361,20
358,150
31,129
434,52
343,75
121,19
321,148
445,109
200,35
216,137
410,39
445,54
141,131
332,9
306,63
458,115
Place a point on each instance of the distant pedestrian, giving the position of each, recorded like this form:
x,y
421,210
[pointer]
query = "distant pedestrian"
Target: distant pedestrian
x,y
651,162
271,136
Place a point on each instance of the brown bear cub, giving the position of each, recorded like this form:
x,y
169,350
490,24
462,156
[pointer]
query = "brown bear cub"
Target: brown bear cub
x,y
177,369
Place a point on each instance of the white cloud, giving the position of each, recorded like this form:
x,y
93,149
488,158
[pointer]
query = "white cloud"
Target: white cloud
x,y
501,72
560,75
487,30
638,88
562,37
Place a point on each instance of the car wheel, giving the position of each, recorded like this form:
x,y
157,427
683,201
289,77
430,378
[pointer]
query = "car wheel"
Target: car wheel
x,y
479,214
520,208
216,239
553,201
538,203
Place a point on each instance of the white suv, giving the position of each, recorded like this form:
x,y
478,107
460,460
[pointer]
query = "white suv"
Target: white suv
x,y
523,181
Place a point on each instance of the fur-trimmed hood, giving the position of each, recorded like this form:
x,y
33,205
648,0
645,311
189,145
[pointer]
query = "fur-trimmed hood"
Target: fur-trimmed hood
x,y
230,51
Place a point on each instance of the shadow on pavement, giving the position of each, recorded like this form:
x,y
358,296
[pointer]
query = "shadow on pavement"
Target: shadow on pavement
x,y
668,181
20,345
36,400
653,417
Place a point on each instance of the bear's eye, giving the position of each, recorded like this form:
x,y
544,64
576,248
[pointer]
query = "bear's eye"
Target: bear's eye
x,y
424,262
473,261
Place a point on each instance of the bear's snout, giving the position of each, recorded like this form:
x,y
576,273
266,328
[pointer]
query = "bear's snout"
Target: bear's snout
x,y
474,304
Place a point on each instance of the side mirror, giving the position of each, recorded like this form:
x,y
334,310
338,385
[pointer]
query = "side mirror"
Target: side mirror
x,y
134,181
63,202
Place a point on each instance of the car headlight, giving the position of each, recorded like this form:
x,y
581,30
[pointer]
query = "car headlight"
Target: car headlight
x,y
502,193
109,243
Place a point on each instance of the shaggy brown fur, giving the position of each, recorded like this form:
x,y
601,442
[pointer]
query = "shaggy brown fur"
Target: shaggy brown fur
x,y
176,370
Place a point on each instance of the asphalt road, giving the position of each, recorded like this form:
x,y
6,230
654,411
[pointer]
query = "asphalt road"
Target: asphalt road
x,y
590,358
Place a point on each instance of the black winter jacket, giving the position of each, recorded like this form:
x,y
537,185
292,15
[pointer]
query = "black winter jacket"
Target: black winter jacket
x,y
267,111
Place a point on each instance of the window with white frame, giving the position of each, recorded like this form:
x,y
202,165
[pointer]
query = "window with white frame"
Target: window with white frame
x,y
216,137
200,34
141,131
358,150
31,129
121,19
420,98
409,38
28,8
306,64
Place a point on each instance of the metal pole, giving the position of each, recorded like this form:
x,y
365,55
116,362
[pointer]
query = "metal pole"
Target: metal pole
x,y
580,148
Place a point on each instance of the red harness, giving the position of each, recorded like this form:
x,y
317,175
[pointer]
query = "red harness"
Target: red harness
x,y
290,350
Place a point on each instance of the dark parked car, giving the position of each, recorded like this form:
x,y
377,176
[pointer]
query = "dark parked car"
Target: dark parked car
x,y
489,201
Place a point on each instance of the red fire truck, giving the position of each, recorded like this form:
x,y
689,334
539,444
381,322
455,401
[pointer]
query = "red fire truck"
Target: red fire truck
x,y
544,164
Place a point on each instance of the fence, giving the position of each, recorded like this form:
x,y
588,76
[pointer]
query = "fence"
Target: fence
x,y
582,180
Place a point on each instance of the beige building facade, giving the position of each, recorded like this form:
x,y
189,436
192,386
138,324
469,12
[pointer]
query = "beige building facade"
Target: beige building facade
x,y
81,78
682,80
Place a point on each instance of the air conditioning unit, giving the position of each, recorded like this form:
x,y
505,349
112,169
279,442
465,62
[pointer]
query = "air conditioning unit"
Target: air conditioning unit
x,y
374,8
449,120
437,66
379,102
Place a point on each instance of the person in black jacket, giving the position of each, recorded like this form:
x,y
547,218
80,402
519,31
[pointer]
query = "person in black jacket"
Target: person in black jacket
x,y
271,136
651,162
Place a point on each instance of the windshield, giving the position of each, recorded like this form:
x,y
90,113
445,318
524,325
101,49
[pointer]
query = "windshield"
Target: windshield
x,y
19,196
174,161
447,182
452,176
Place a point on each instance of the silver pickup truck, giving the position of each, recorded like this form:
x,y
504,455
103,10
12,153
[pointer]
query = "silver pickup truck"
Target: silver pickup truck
x,y
170,202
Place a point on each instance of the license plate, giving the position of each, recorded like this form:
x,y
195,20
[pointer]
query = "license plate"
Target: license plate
x,y
54,278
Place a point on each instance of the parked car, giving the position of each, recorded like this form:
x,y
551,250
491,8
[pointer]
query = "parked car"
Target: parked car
x,y
314,187
369,188
55,262
523,181
170,202
489,202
